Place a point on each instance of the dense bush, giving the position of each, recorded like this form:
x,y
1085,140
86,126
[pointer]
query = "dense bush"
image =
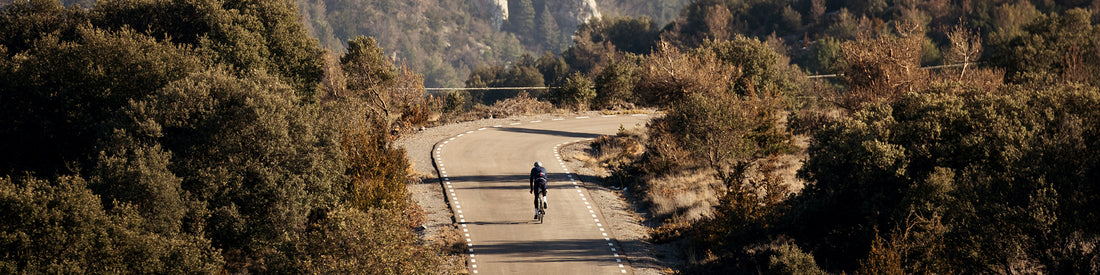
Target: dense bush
x,y
194,141
59,226
997,182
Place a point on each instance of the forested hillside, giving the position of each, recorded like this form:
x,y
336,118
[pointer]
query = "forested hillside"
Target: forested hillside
x,y
446,40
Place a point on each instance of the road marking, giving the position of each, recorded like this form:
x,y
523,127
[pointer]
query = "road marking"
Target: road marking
x,y
639,115
454,197
481,129
536,121
469,132
498,126
559,118
582,117
514,123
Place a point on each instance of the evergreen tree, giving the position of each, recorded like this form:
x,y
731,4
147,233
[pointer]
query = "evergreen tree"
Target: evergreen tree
x,y
521,18
548,31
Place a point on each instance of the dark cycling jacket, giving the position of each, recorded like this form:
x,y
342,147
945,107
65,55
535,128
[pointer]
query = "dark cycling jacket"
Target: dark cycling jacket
x,y
538,176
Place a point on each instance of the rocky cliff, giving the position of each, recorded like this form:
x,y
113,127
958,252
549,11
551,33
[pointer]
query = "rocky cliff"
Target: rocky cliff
x,y
568,13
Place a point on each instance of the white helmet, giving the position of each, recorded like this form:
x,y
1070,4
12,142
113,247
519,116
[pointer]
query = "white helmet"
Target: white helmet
x,y
538,164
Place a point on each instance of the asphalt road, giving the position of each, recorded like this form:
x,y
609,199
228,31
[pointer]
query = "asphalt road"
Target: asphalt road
x,y
485,173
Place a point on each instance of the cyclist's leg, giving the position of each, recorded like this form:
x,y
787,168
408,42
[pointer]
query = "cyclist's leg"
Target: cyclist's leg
x,y
544,203
536,205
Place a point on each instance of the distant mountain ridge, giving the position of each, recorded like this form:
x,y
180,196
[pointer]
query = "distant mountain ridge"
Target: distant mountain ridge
x,y
444,40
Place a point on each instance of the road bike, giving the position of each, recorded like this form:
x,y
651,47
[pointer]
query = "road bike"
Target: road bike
x,y
542,208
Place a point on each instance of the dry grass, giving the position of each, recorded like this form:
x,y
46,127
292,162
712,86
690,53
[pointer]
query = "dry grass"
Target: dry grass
x,y
684,196
608,153
624,112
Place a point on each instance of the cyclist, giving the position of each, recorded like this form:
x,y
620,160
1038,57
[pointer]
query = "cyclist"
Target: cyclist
x,y
538,184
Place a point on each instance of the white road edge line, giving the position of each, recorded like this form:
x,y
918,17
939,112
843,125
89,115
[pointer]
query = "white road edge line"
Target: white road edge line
x,y
454,198
595,219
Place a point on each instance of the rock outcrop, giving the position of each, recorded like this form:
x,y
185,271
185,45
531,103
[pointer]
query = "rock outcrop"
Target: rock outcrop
x,y
497,10
568,13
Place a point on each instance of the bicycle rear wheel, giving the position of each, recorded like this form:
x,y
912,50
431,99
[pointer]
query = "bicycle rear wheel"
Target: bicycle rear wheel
x,y
542,208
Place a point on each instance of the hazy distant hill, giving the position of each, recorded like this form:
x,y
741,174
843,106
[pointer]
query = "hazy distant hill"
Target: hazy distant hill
x,y
445,39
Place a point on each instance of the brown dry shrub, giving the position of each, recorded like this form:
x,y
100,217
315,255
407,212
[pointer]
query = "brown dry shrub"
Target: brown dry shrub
x,y
378,170
522,104
670,74
884,67
614,152
807,120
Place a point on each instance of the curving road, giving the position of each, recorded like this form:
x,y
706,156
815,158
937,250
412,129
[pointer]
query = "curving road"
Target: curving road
x,y
485,175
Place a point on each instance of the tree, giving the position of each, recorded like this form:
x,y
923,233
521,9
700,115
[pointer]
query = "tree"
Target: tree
x,y
554,70
64,95
548,31
250,35
59,226
576,92
521,18
370,74
763,71
993,180
615,84
882,68
1058,48
256,162
670,75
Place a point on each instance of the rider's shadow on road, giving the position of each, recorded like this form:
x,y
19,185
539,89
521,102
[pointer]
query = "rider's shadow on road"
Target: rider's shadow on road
x,y
550,132
517,182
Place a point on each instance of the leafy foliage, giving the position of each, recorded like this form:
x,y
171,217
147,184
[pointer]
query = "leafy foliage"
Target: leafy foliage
x,y
1058,48
993,175
576,92
189,137
60,226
